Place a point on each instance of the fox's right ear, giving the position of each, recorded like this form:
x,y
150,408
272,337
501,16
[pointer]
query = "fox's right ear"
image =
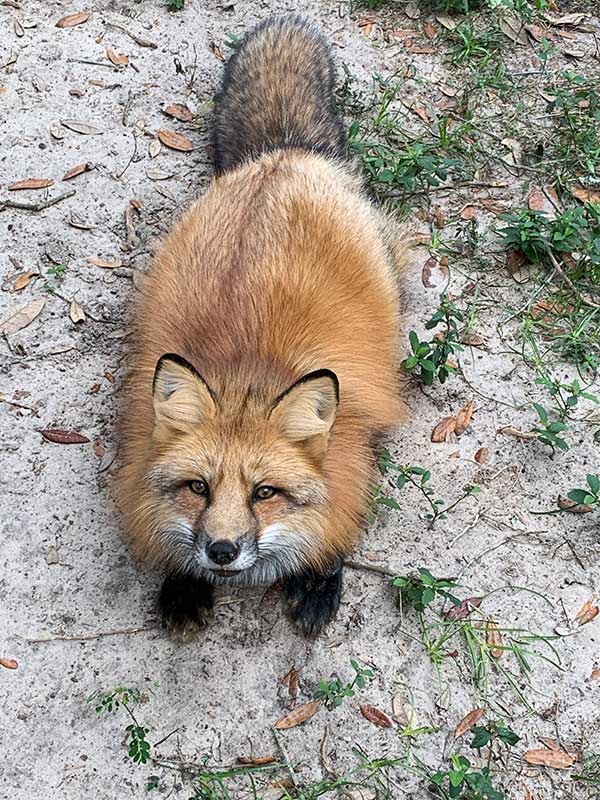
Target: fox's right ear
x,y
182,398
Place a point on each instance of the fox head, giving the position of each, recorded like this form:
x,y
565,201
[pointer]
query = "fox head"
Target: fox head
x,y
235,484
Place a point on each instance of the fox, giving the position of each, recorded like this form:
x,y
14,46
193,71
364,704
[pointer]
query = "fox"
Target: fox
x,y
264,369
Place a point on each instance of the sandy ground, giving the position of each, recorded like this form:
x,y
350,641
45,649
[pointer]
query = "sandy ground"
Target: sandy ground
x,y
65,575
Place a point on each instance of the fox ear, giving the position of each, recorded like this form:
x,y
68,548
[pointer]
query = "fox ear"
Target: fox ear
x,y
307,409
182,398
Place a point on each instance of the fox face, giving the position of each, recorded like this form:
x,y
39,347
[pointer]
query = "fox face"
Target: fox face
x,y
235,488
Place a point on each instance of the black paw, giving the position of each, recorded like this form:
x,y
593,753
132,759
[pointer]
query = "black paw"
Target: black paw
x,y
313,599
185,604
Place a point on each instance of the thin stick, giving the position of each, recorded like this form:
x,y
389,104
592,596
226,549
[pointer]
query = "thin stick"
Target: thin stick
x,y
323,751
557,266
164,739
86,637
286,759
136,39
370,568
36,206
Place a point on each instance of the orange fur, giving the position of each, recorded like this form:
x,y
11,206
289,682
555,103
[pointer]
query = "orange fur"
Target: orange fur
x,y
283,267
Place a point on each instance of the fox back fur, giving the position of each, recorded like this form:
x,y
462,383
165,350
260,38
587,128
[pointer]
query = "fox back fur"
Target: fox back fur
x,y
265,362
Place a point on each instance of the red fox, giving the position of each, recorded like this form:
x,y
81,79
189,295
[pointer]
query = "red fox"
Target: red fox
x,y
265,363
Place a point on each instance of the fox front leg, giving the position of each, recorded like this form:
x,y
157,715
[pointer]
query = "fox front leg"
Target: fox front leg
x,y
313,598
185,604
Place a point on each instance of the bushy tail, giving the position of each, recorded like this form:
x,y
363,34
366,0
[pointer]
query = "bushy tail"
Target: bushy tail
x,y
278,92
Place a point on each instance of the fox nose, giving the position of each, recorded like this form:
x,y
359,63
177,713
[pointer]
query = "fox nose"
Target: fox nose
x,y
223,551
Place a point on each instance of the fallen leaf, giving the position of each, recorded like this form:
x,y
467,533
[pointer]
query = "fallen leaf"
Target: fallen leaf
x,y
77,222
398,710
493,206
581,193
216,51
118,59
536,32
493,638
375,716
76,312
158,175
434,273
557,759
588,611
567,19
463,609
109,376
512,26
509,430
80,127
467,722
527,794
463,418
23,280
154,148
566,504
444,430
298,715
412,10
104,263
517,265
179,111
551,744
536,199
176,141
99,447
256,761
447,21
474,340
17,320
438,217
469,212
56,132
78,170
8,663
30,183
58,436
73,19
595,674
482,455
290,679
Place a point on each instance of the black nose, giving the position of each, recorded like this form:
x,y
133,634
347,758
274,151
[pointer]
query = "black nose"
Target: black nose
x,y
223,552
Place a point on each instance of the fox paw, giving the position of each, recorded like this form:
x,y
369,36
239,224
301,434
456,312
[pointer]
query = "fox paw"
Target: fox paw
x,y
313,599
185,605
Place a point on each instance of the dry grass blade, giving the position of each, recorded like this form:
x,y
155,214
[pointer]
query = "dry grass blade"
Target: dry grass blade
x,y
298,716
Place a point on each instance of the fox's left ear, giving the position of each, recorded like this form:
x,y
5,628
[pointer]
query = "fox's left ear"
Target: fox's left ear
x,y
306,411
182,398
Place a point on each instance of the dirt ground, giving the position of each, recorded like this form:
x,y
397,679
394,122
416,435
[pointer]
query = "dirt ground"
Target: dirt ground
x,y
78,616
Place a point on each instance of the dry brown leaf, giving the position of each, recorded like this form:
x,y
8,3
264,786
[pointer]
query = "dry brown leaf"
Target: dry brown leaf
x,y
179,111
557,759
493,206
517,265
73,19
23,280
429,30
78,170
584,194
587,612
447,21
104,263
298,715
398,710
58,436
536,200
216,51
527,794
76,312
118,59
176,141
463,418
595,674
469,212
256,761
474,340
464,609
434,273
467,722
512,26
375,716
482,455
30,183
438,217
444,430
8,663
493,638
15,321
566,504
509,430
290,679
551,744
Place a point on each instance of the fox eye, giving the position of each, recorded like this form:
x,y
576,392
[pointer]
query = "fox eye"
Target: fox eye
x,y
198,487
264,492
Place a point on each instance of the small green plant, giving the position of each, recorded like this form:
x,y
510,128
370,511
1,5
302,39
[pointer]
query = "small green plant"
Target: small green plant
x,y
232,40
590,769
122,697
463,780
547,430
432,358
175,5
57,275
469,46
566,396
334,692
590,496
484,735
139,746
421,590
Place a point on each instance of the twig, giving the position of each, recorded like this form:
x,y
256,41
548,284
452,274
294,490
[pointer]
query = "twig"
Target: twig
x,y
43,204
571,547
133,155
323,751
286,759
164,739
85,637
93,63
495,547
557,266
360,565
136,39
